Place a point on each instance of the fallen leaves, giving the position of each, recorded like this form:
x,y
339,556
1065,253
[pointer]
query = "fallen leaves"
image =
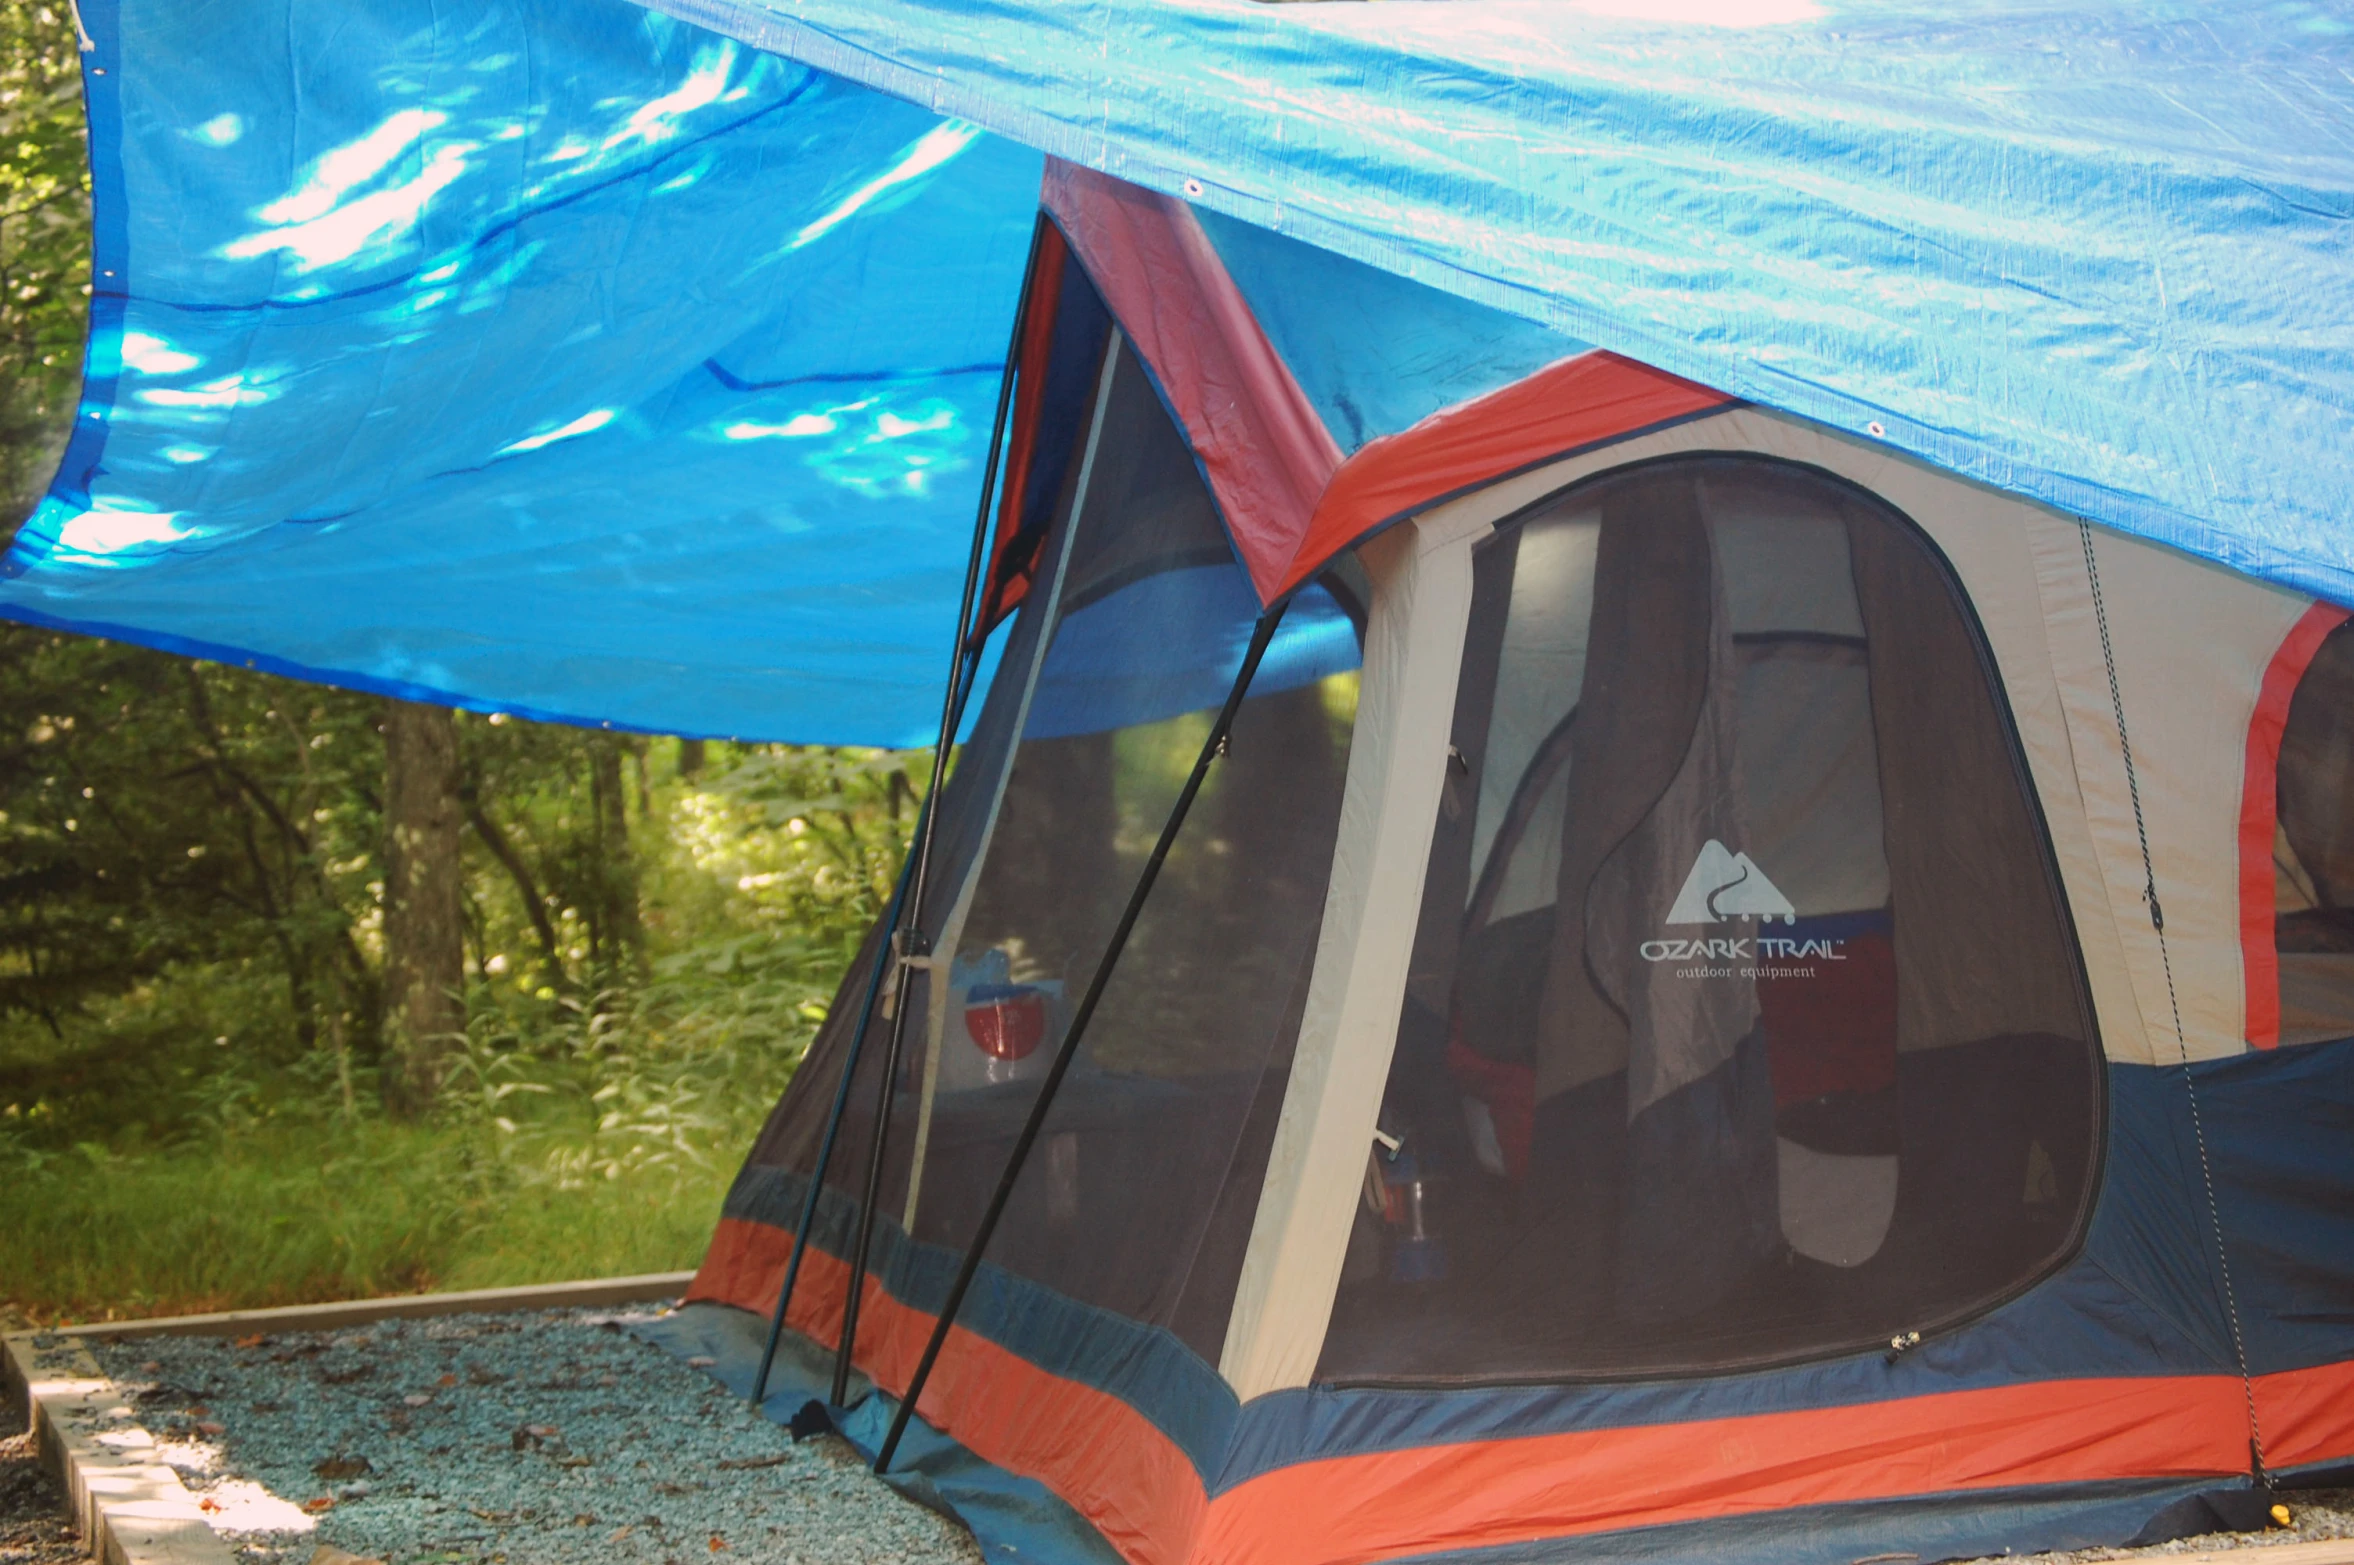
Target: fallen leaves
x,y
337,1468
744,1464
319,1505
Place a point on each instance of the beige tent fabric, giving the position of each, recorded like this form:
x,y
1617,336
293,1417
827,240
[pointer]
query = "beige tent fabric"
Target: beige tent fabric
x,y
1397,766
2192,641
1962,858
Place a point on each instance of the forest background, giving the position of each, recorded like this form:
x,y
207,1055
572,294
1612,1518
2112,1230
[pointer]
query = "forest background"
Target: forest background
x,y
307,994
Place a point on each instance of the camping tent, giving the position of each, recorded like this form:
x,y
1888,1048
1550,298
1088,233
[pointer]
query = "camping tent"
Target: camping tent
x,y
1760,964
1655,1039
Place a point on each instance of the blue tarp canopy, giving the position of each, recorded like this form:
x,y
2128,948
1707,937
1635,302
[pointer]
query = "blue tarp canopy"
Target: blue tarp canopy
x,y
573,359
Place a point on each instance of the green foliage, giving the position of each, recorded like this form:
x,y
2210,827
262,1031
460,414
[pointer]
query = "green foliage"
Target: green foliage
x,y
44,243
190,943
156,812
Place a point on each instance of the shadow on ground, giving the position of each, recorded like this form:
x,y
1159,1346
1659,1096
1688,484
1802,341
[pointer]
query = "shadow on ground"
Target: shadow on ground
x,y
33,1525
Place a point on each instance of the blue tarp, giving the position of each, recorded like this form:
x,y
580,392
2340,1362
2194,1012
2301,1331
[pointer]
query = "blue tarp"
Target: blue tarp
x,y
551,356
563,358
2098,254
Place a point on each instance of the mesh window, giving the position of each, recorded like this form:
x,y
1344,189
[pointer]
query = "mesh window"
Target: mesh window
x,y
1744,1021
2313,850
1140,1193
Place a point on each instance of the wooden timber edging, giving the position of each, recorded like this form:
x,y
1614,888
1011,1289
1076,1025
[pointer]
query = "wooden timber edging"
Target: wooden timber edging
x,y
642,1289
131,1508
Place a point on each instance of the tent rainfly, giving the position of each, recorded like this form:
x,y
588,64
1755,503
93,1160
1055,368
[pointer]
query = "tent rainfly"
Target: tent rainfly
x,y
1654,856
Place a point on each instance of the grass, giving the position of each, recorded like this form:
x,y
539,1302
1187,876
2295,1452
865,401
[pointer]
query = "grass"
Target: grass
x,y
593,1140
319,1212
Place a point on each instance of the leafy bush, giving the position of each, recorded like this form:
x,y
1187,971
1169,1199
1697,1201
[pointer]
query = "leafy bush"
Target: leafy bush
x,y
176,1155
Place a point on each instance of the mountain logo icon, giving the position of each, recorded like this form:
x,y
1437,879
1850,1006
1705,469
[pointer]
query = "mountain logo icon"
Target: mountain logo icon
x,y
1723,885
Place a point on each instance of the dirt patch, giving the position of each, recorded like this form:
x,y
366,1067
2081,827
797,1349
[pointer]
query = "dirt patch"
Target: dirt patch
x,y
33,1525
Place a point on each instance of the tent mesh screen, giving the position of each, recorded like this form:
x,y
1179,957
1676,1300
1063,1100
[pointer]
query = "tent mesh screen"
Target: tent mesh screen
x,y
1744,1020
2313,849
1139,1196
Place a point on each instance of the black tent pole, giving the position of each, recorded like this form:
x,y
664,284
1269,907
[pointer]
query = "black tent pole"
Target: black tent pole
x,y
1212,747
908,940
825,1145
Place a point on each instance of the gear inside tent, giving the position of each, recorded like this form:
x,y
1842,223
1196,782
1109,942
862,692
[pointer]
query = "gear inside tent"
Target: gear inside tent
x,y
1651,857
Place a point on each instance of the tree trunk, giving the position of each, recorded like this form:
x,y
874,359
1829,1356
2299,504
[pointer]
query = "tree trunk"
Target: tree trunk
x,y
620,934
690,757
424,908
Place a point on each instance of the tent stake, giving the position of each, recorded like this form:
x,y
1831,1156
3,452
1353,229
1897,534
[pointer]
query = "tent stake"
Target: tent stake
x,y
1212,748
907,938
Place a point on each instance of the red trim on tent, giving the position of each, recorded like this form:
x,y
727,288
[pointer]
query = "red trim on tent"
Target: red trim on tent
x,y
2259,818
1291,503
1267,454
1562,408
1006,591
1492,1492
1117,1469
1109,1462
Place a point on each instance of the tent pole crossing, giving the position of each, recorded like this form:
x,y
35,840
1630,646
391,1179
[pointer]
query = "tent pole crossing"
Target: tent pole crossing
x,y
1212,747
825,1145
907,942
2231,1307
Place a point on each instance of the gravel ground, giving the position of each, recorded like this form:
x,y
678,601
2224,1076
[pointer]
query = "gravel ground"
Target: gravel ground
x,y
33,1528
548,1438
2314,1515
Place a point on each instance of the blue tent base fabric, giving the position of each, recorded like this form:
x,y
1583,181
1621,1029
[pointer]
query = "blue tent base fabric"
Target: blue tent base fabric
x,y
1017,1519
1013,1519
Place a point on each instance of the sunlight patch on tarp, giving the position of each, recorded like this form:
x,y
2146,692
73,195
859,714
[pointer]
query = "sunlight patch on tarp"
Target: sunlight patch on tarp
x,y
340,232
337,173
232,391
151,355
95,535
587,423
797,427
222,130
657,120
931,150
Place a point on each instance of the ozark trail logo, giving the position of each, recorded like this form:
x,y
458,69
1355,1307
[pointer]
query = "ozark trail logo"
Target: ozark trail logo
x,y
1725,885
